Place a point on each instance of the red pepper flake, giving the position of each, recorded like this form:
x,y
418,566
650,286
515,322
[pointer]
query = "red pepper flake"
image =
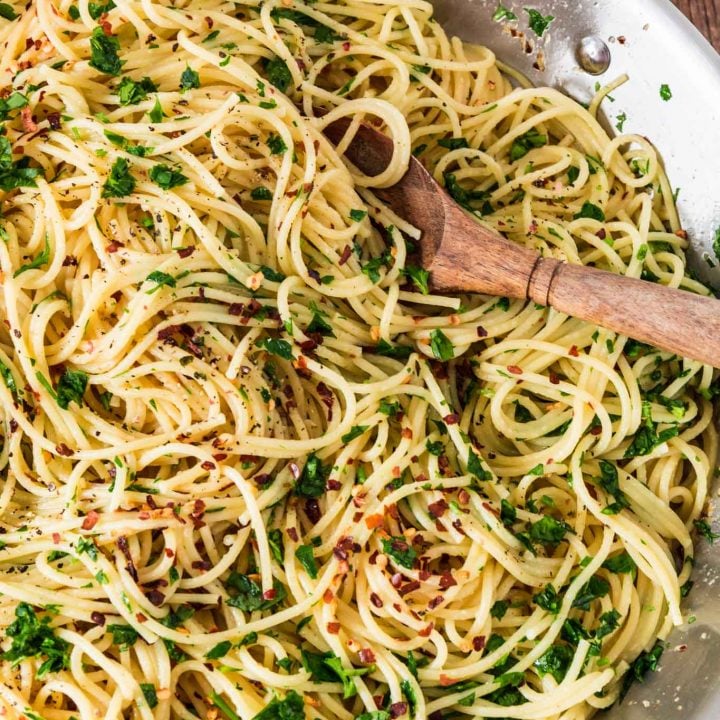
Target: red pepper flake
x,y
463,496
113,247
345,255
140,617
333,484
437,600
396,472
346,46
407,433
293,534
54,120
105,25
396,580
447,580
29,125
207,465
236,309
446,681
90,520
515,370
481,331
373,557
437,509
379,701
407,588
328,596
375,600
602,233
374,521
169,552
682,234
220,457
367,656
64,450
478,643
452,419
155,597
397,709
333,628
56,538
554,378
597,430
574,351
427,630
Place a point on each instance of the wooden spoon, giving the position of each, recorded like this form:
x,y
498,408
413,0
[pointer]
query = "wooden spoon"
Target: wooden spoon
x,y
464,256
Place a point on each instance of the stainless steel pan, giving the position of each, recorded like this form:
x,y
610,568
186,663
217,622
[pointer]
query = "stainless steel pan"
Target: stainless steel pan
x,y
655,45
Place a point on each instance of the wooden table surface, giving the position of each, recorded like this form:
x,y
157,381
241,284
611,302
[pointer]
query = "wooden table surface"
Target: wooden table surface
x,y
706,16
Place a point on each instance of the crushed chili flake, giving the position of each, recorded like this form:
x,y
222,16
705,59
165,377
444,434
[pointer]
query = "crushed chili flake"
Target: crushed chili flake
x,y
407,588
452,419
347,251
481,331
397,709
515,370
64,450
554,378
574,352
293,534
270,594
367,656
437,509
437,600
328,596
447,580
427,630
374,521
90,520
407,433
478,643
376,601
333,628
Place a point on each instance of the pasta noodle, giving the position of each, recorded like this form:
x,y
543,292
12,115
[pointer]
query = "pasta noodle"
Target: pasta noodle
x,y
251,466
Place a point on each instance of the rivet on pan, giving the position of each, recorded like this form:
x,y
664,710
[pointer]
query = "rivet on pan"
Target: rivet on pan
x,y
593,55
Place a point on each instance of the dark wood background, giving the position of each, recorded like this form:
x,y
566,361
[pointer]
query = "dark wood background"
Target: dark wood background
x,y
706,15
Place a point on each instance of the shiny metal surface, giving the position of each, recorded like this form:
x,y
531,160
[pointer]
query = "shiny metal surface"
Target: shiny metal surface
x,y
655,45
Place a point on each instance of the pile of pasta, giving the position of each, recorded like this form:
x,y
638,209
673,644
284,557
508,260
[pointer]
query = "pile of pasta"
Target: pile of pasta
x,y
252,466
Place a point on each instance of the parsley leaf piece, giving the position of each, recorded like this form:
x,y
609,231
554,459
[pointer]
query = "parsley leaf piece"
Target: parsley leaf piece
x,y
189,79
589,210
291,707
220,650
276,144
275,346
704,529
593,589
311,483
150,695
548,599
453,143
261,193
71,388
355,432
123,635
502,13
32,637
475,466
306,557
8,379
7,12
166,177
665,92
15,174
358,215
499,608
42,259
104,52
318,324
279,74
399,352
555,661
539,23
441,346
400,551
15,101
160,279
621,563
156,115
548,531
120,182
247,595
420,278
525,143
645,663
372,267
132,92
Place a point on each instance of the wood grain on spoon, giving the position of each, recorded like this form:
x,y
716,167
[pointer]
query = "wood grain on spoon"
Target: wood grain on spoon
x,y
464,256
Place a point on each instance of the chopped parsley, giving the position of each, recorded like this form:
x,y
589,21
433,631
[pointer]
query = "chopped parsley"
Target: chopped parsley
x,y
15,174
132,92
399,352
311,483
355,432
548,531
32,637
328,667
120,182
150,695
279,74
703,528
276,144
160,279
441,346
7,12
71,388
539,23
247,595
306,558
555,661
591,211
189,79
400,551
291,707
453,143
502,13
420,278
156,115
104,52
475,466
220,650
42,259
166,177
645,663
548,599
525,143
275,346
647,437
665,92
261,193
358,215
593,589
621,563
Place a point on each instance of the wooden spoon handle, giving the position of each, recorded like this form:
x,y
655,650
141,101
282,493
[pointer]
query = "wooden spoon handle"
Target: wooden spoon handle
x,y
674,320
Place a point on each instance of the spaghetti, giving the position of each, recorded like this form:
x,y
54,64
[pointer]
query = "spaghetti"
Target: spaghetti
x,y
252,467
